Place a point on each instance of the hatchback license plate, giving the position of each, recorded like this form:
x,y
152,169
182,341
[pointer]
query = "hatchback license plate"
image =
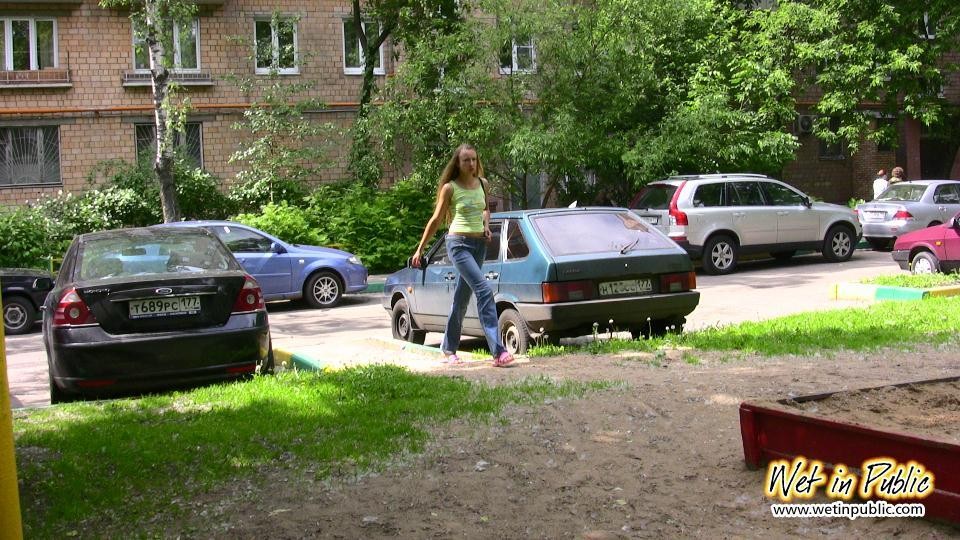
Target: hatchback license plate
x,y
164,307
625,287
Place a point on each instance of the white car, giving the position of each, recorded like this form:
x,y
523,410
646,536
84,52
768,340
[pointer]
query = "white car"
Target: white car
x,y
718,217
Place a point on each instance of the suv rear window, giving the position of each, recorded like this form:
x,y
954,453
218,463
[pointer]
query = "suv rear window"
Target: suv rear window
x,y
709,195
654,197
597,232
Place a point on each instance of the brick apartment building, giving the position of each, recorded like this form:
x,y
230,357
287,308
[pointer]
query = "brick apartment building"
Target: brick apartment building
x,y
73,92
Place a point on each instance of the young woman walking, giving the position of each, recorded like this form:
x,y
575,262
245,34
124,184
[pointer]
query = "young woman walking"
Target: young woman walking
x,y
462,201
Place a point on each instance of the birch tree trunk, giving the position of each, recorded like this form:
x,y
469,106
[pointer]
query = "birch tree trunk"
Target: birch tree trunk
x,y
160,78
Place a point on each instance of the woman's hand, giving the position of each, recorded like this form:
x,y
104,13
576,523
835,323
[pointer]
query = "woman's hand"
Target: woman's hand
x,y
486,232
417,255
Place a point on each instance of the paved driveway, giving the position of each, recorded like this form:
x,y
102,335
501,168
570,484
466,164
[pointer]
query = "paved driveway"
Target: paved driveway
x,y
358,329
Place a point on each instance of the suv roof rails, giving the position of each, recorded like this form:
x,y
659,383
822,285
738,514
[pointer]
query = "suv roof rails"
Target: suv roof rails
x,y
718,175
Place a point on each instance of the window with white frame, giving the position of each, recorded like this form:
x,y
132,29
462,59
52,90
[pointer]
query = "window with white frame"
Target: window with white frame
x,y
928,29
188,143
353,55
276,43
186,48
518,56
29,43
29,155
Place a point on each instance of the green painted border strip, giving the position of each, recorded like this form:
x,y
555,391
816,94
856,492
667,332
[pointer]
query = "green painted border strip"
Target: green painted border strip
x,y
298,360
885,292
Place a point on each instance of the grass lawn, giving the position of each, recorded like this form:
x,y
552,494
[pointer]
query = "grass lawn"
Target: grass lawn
x,y
920,281
102,466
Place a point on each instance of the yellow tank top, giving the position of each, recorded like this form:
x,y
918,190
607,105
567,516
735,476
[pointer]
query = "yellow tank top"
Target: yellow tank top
x,y
467,207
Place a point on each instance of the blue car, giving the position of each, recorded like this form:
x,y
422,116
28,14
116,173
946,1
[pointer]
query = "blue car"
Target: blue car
x,y
556,272
285,271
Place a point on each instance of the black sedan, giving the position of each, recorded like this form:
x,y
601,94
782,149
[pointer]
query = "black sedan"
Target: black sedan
x,y
23,293
556,272
136,310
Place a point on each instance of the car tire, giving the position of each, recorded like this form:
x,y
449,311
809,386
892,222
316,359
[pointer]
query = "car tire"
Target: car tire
x,y
720,255
879,244
658,328
57,395
924,262
784,255
839,244
18,315
514,333
402,324
935,223
323,290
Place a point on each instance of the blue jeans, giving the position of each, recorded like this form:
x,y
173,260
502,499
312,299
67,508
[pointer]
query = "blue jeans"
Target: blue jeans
x,y
467,254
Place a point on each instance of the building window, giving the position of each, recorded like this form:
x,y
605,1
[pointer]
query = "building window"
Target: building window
x,y
186,47
832,150
28,43
519,56
276,41
29,155
889,128
188,143
927,27
353,54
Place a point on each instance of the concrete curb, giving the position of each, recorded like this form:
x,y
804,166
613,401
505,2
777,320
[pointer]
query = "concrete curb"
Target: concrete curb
x,y
862,291
306,361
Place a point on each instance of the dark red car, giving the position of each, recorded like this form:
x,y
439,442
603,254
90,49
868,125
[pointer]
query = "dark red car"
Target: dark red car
x,y
934,249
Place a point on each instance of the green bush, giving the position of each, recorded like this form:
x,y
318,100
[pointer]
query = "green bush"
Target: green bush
x,y
28,238
382,227
289,223
250,196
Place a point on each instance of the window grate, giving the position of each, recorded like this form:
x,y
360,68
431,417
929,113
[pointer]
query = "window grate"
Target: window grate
x,y
29,155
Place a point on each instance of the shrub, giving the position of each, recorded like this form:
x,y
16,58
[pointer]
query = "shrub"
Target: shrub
x,y
251,195
28,238
289,223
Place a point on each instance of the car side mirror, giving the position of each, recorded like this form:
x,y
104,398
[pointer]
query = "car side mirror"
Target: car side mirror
x,y
955,222
807,202
277,248
43,284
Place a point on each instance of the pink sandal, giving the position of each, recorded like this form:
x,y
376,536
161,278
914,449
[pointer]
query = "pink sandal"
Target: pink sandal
x,y
452,359
503,360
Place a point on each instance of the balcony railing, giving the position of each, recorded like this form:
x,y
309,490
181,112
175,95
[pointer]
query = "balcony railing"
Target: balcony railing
x,y
142,78
36,78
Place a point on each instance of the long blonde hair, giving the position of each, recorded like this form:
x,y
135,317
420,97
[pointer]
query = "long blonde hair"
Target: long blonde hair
x,y
452,171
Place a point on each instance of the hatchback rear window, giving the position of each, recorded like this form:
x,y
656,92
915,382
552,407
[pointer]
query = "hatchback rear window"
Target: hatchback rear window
x,y
597,232
654,197
903,192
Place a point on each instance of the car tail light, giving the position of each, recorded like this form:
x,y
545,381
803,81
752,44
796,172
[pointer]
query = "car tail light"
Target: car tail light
x,y
676,216
250,298
249,368
96,383
680,282
72,310
903,214
566,291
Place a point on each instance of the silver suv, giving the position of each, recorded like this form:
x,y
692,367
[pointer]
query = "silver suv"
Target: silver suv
x,y
718,217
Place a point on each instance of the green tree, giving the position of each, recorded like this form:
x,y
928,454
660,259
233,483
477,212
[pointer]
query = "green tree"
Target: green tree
x,y
154,22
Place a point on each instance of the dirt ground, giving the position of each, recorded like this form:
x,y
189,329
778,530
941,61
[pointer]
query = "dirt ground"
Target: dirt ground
x,y
660,457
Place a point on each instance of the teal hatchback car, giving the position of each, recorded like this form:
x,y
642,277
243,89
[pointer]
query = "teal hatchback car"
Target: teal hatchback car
x,y
556,273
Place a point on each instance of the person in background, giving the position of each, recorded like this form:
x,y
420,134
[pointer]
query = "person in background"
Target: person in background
x,y
896,175
462,202
880,183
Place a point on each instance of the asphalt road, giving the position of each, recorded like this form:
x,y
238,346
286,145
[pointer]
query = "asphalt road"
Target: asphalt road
x,y
359,326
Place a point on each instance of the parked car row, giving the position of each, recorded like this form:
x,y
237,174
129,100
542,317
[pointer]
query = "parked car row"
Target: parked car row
x,y
175,304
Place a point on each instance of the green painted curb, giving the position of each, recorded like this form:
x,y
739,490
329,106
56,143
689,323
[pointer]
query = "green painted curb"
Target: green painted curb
x,y
863,291
373,288
297,360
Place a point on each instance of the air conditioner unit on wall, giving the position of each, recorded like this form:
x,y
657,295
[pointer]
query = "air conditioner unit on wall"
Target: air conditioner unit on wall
x,y
805,123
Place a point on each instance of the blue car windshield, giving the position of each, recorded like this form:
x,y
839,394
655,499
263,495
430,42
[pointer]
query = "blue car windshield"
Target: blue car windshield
x,y
597,232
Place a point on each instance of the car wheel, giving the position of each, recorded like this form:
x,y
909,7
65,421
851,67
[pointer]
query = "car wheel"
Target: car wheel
x,y
18,315
267,366
879,244
323,290
783,255
924,262
658,328
402,324
57,395
934,223
720,255
513,332
839,244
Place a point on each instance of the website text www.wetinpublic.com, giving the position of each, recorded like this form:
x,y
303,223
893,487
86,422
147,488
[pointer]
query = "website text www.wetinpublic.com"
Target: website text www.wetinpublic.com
x,y
848,510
